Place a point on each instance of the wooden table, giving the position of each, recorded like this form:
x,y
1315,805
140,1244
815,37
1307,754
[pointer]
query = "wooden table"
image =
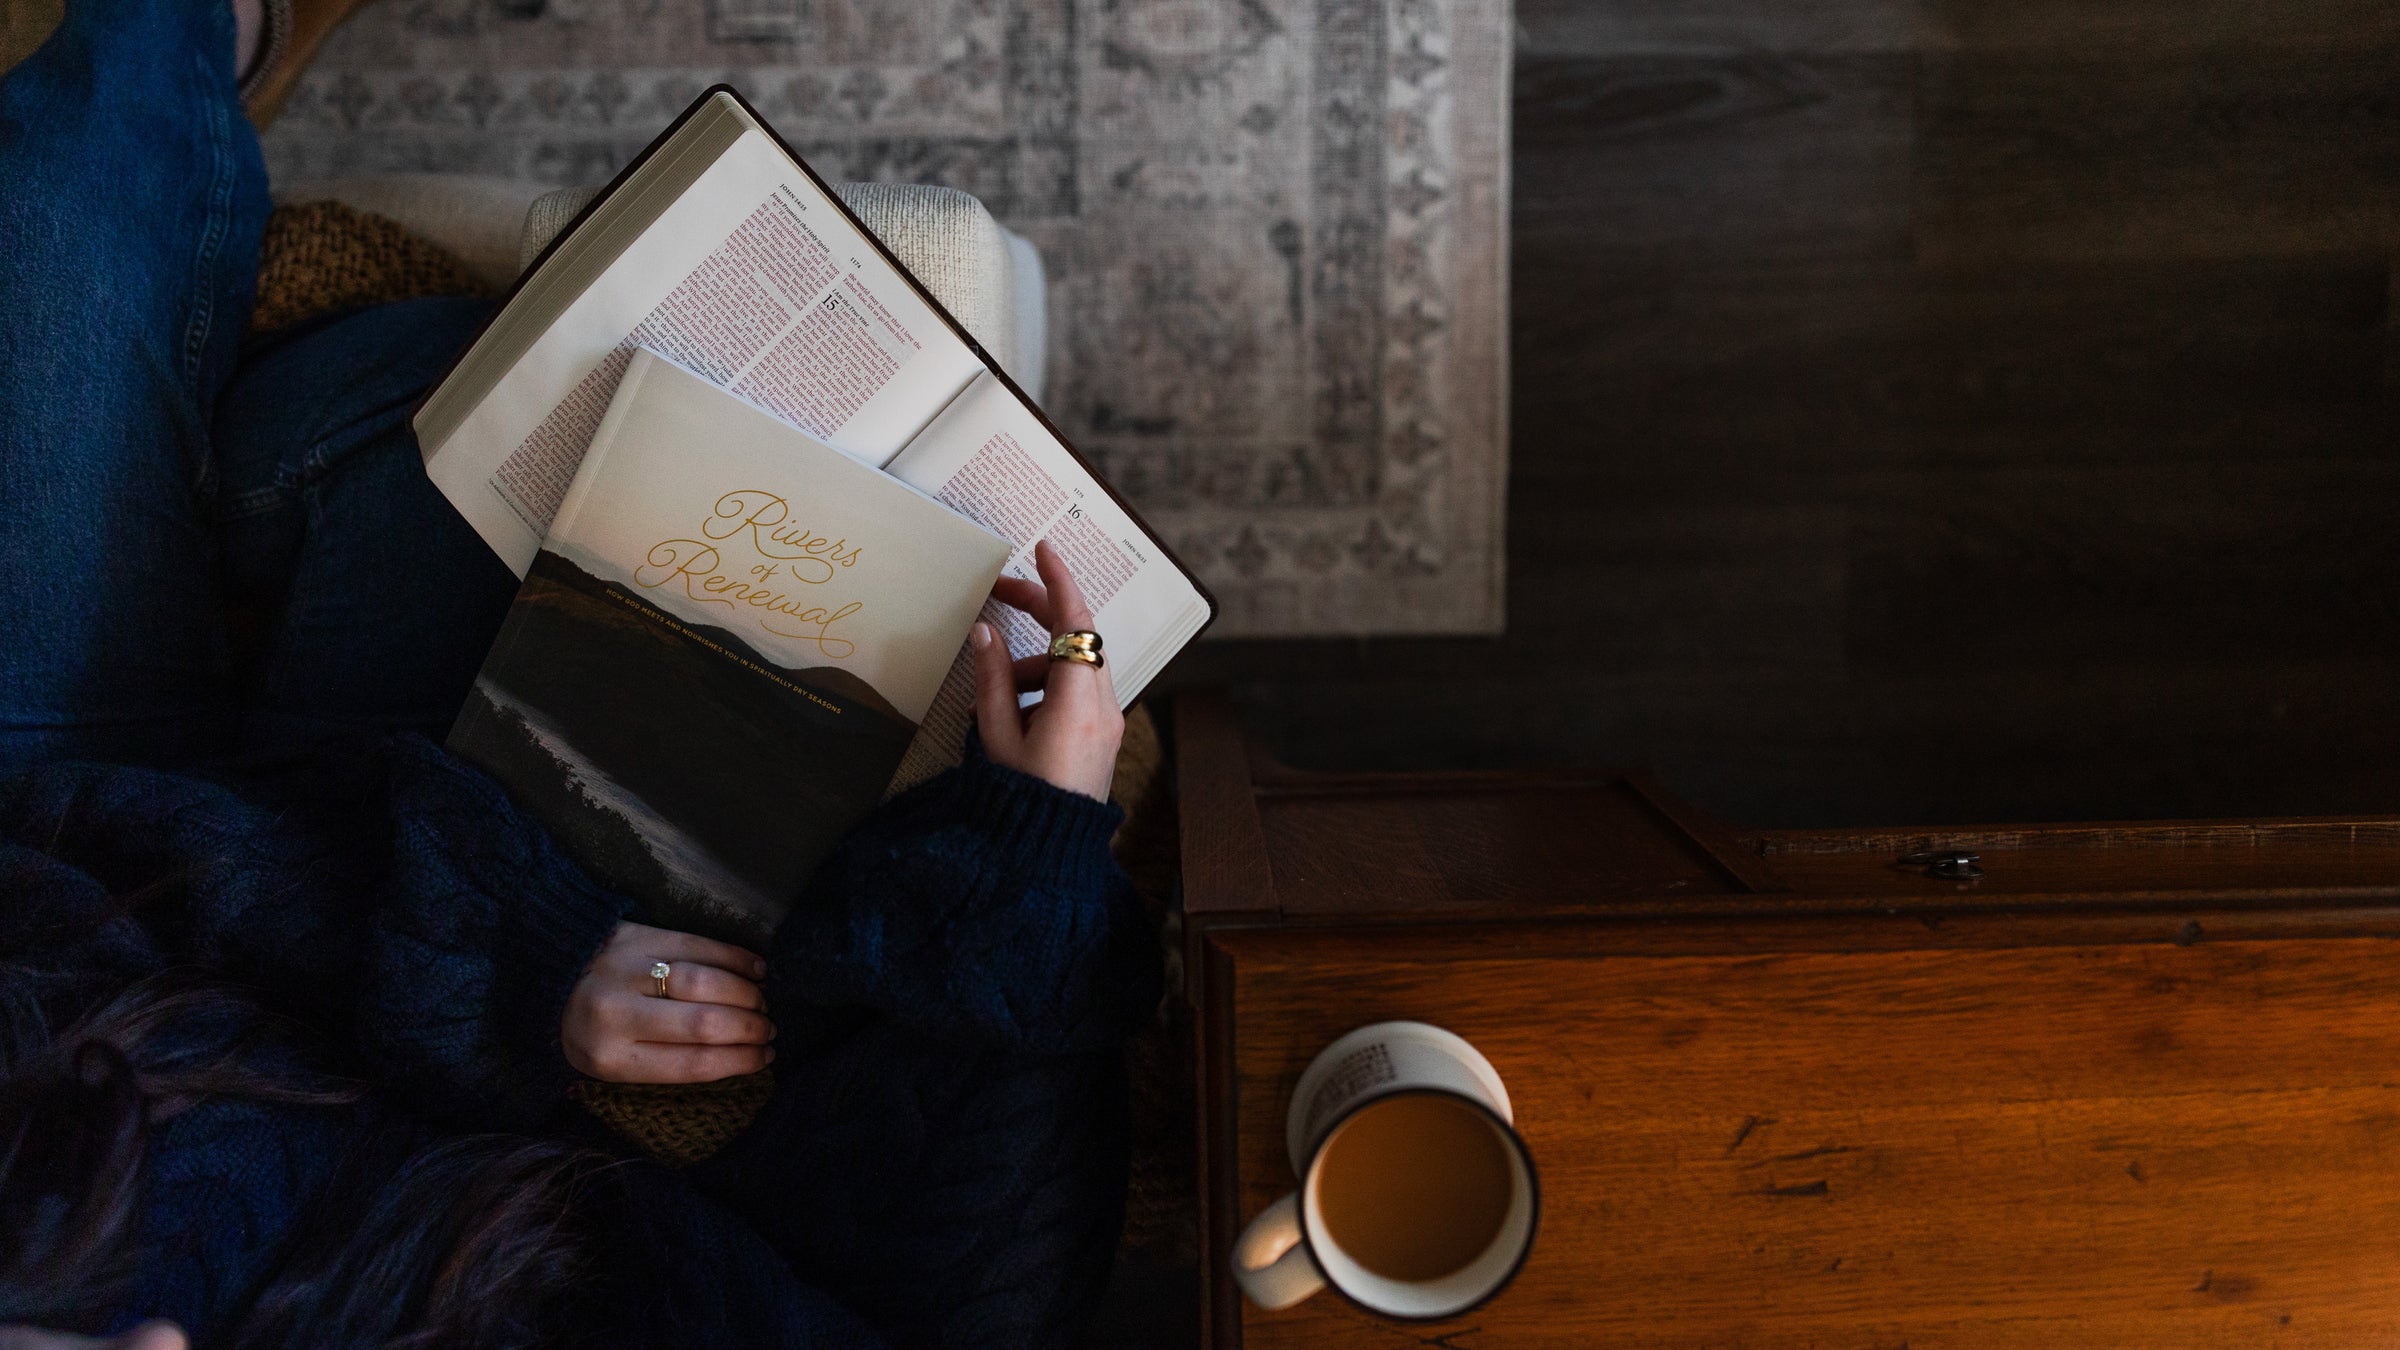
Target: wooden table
x,y
2136,1085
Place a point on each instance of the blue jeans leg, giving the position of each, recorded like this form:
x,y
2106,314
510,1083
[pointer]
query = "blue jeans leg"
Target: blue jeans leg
x,y
379,600
132,198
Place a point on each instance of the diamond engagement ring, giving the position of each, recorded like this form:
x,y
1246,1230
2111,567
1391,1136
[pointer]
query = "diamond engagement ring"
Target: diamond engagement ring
x,y
659,971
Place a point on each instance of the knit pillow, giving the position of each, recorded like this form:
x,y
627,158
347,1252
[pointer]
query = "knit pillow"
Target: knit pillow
x,y
678,1123
321,257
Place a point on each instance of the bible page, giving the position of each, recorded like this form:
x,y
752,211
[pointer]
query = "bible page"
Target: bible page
x,y
990,459
754,280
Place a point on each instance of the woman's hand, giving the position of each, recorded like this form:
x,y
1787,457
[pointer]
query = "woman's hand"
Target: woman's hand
x,y
708,1026
1070,738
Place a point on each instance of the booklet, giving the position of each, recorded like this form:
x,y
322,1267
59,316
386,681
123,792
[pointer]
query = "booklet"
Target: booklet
x,y
719,249
722,650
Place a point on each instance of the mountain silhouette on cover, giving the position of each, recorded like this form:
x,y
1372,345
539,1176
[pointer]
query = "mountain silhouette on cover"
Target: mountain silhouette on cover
x,y
566,582
688,775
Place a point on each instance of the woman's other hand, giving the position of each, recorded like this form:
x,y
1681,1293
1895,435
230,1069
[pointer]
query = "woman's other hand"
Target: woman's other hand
x,y
709,1025
1070,738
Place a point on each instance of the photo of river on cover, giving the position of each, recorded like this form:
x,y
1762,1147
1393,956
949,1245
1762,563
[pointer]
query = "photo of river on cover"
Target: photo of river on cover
x,y
674,761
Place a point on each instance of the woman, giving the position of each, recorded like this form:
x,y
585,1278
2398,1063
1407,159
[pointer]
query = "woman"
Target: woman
x,y
290,1000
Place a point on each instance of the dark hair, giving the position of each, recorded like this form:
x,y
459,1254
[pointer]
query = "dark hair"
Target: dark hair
x,y
416,1240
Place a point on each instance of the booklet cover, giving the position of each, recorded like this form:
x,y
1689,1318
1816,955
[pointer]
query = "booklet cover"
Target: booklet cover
x,y
721,651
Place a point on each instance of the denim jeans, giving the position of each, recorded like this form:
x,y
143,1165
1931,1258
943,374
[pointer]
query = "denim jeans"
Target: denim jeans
x,y
209,545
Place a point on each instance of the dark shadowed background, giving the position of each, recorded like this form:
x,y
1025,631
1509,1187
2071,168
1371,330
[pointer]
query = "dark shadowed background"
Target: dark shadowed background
x,y
1931,413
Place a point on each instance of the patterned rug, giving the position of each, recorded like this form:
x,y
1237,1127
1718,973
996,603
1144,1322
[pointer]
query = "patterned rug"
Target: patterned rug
x,y
1276,230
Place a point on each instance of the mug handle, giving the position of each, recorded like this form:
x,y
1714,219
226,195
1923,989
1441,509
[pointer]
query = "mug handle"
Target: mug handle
x,y
1271,1263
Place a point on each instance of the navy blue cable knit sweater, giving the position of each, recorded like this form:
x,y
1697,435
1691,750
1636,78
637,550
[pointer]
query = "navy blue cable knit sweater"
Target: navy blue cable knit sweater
x,y
941,1161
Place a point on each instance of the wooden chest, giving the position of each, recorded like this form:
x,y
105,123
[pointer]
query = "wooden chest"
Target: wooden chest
x,y
2132,1085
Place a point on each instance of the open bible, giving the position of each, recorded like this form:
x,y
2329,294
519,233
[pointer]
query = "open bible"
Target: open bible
x,y
720,250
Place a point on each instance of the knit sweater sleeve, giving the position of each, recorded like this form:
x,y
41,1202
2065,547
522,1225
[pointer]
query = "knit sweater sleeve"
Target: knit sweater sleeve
x,y
982,907
391,899
65,945
485,929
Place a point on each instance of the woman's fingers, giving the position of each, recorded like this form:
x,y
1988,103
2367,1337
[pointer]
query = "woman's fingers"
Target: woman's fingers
x,y
1068,610
1030,671
1071,681
695,982
645,1062
636,1038
637,945
712,1025
1030,596
1070,738
674,1022
995,695
670,946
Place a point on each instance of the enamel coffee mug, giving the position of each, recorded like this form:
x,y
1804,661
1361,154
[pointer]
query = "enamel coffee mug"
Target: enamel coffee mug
x,y
1417,1198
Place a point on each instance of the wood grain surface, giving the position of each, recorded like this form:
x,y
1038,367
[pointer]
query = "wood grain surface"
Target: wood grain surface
x,y
1428,844
1380,848
2100,1143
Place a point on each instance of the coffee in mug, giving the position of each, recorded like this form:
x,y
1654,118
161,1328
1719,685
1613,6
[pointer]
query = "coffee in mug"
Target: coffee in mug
x,y
1417,1196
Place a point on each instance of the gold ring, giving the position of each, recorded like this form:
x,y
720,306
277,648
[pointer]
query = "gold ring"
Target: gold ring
x,y
1080,644
659,971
